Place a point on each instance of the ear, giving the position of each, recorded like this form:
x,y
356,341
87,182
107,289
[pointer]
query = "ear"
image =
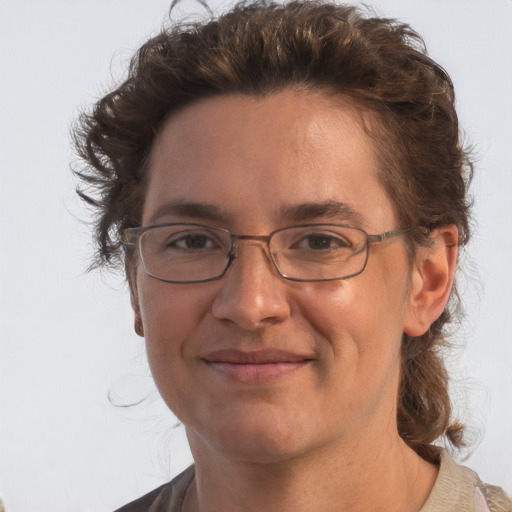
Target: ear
x,y
431,281
134,299
138,325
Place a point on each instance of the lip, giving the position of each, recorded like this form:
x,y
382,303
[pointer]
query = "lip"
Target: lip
x,y
255,367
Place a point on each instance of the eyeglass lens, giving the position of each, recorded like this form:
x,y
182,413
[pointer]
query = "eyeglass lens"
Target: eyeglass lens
x,y
185,253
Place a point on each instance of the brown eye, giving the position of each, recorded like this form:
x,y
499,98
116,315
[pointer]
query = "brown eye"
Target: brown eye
x,y
322,242
193,242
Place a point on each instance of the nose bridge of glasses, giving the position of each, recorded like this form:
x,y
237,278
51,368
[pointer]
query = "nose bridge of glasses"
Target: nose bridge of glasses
x,y
260,241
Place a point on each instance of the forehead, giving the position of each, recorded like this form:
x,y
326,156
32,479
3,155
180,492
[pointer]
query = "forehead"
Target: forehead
x,y
266,155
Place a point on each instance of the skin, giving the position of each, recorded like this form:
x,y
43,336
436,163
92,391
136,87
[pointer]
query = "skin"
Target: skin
x,y
320,434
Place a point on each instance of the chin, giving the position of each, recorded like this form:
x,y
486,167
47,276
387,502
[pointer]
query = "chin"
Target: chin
x,y
259,440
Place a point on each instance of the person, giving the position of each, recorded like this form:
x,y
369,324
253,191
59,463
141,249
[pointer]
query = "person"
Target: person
x,y
287,189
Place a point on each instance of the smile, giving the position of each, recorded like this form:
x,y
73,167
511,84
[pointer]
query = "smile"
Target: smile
x,y
255,367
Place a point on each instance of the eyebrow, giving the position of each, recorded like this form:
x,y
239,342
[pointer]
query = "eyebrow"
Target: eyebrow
x,y
302,212
331,208
182,208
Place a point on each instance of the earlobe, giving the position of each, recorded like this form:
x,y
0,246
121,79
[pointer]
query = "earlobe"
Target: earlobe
x,y
134,299
431,281
138,325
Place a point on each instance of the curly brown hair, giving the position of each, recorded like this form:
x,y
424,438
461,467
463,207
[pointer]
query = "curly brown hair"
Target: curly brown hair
x,y
259,48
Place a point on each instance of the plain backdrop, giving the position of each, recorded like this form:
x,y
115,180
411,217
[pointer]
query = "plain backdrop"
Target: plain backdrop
x,y
67,341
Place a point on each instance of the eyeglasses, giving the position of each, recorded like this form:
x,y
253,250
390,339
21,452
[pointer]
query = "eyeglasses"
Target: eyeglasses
x,y
193,253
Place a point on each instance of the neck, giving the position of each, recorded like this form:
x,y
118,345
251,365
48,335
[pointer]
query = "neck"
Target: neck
x,y
380,477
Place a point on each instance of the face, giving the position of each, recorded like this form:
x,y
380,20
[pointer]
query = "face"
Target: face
x,y
258,367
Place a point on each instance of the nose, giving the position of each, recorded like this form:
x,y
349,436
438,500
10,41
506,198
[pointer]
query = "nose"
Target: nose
x,y
252,293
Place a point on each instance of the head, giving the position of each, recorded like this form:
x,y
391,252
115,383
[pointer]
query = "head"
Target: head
x,y
404,103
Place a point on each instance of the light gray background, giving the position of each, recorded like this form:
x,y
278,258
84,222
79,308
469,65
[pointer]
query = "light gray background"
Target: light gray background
x,y
66,336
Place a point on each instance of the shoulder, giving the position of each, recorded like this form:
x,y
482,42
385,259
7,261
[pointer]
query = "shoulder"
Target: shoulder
x,y
495,498
459,489
166,498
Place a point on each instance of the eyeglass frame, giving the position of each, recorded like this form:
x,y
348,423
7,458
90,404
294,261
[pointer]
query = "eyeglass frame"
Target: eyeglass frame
x,y
131,237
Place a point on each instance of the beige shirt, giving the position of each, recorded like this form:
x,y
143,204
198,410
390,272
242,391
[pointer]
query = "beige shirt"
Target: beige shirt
x,y
457,489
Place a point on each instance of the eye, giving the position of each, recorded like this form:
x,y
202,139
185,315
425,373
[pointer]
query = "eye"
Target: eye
x,y
192,241
322,242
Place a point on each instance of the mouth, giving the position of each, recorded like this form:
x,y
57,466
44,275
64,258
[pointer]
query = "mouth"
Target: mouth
x,y
256,367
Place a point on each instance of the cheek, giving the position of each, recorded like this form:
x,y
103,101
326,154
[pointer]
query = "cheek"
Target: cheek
x,y
170,314
360,338
359,306
168,310
361,319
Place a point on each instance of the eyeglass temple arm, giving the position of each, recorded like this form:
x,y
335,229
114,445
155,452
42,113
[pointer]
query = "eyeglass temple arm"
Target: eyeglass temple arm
x,y
130,236
390,234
